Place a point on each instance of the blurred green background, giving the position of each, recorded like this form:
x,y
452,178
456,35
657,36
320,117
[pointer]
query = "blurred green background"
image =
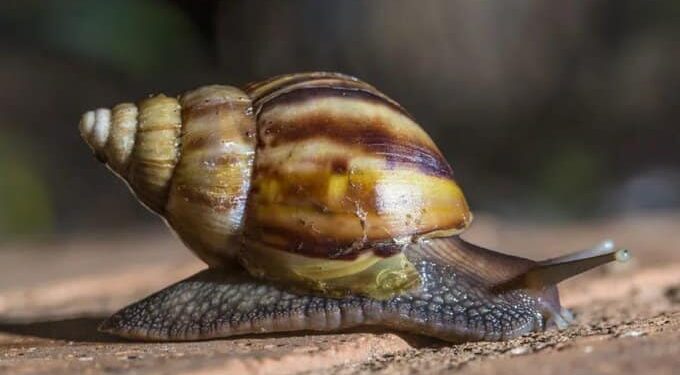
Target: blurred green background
x,y
547,110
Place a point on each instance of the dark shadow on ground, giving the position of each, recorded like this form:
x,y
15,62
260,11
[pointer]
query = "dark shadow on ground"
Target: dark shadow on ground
x,y
84,329
81,329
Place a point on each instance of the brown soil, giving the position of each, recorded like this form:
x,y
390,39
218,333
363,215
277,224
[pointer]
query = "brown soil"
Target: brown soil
x,y
52,297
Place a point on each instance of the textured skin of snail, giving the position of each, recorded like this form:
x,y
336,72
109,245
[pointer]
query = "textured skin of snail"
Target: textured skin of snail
x,y
451,304
318,203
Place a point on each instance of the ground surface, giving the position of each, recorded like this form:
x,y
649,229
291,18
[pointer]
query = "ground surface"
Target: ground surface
x,y
52,297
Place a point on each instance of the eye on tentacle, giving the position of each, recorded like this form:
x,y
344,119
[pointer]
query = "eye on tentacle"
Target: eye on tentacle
x,y
552,271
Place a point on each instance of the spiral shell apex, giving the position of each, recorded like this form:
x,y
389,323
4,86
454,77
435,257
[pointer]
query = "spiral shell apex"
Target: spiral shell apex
x,y
201,194
316,179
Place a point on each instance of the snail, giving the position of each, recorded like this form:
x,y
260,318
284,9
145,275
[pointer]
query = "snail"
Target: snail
x,y
318,204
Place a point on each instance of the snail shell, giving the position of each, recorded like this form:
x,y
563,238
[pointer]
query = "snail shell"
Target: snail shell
x,y
316,179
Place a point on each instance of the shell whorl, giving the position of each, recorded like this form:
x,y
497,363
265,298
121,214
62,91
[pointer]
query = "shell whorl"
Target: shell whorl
x,y
211,182
187,159
337,156
344,180
111,134
140,143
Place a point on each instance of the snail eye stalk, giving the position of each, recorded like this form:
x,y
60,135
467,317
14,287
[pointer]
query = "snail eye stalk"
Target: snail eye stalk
x,y
552,271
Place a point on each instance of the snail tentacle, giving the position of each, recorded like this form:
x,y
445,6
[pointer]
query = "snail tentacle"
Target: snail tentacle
x,y
553,271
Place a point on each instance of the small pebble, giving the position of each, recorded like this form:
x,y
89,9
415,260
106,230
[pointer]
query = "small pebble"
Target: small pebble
x,y
588,349
85,359
632,334
519,350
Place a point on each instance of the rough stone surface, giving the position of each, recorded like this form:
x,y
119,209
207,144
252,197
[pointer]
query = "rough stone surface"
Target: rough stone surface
x,y
52,298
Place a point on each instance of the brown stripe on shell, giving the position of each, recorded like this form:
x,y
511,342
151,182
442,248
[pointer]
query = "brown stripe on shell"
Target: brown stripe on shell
x,y
210,108
370,135
196,143
212,201
336,88
320,245
257,90
166,163
304,222
304,242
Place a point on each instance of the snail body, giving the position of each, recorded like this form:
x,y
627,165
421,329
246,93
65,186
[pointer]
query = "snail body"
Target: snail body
x,y
323,195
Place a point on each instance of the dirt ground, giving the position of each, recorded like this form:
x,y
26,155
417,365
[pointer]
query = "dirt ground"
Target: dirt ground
x,y
53,296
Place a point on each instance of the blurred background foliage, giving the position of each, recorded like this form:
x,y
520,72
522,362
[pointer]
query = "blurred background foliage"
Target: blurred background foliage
x,y
547,110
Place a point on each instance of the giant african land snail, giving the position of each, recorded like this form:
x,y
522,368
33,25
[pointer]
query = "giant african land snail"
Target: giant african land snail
x,y
319,204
